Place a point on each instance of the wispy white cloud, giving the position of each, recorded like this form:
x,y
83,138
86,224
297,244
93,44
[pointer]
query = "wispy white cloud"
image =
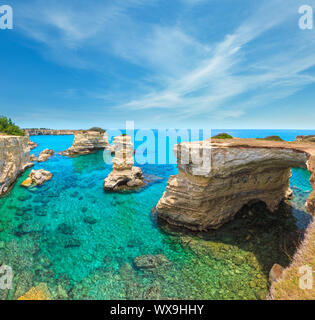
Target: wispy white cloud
x,y
181,74
227,74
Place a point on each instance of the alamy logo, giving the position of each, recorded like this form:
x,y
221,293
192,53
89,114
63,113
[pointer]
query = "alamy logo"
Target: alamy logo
x,y
6,277
306,20
306,278
6,17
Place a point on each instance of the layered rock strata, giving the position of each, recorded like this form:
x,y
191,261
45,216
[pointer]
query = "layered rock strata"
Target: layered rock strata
x,y
49,132
124,175
37,177
87,142
243,171
14,159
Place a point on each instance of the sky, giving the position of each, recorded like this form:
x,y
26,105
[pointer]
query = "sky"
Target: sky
x,y
163,64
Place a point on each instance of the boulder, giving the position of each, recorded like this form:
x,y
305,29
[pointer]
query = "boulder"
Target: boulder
x,y
32,145
275,272
33,157
45,155
37,177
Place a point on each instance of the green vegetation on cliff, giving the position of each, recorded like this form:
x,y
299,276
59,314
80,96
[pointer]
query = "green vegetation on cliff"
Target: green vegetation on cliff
x,y
97,129
272,138
8,127
222,136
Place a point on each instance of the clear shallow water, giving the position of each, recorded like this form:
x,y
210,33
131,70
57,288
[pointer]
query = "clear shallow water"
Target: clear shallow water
x,y
48,236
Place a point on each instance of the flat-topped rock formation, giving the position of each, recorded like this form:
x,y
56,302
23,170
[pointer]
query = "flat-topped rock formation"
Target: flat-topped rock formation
x,y
49,132
14,159
124,175
243,171
86,142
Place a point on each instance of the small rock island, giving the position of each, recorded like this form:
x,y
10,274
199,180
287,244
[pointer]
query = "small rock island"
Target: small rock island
x,y
124,175
37,177
86,142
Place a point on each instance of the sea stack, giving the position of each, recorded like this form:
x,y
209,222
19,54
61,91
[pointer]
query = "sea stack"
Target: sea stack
x,y
86,142
124,175
242,172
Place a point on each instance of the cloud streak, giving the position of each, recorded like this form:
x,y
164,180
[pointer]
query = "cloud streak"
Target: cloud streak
x,y
178,73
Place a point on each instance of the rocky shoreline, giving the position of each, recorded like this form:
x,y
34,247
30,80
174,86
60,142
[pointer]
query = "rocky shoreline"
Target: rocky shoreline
x,y
14,160
244,172
49,132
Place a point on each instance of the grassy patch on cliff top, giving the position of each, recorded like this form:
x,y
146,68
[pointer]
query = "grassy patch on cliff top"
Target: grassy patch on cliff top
x,y
288,287
272,138
222,136
97,129
7,126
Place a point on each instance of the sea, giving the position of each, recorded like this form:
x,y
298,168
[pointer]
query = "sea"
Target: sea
x,y
82,241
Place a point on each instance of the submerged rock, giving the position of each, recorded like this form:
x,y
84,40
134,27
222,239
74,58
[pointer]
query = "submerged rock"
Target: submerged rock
x,y
124,175
150,261
153,293
37,177
65,228
90,220
72,243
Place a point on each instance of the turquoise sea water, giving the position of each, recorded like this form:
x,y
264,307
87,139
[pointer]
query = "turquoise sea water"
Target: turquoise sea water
x,y
82,241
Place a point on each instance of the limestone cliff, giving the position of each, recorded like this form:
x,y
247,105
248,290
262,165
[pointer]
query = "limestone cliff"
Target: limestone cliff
x,y
86,142
242,171
124,175
14,159
49,132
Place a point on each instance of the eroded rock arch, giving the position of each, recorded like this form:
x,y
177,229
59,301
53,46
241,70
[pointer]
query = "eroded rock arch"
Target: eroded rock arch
x,y
242,170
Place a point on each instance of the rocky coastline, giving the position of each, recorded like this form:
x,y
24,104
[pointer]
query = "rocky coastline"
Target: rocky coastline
x,y
243,171
49,132
14,160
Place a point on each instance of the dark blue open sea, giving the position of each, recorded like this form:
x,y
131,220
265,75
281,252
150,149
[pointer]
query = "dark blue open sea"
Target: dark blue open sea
x,y
46,236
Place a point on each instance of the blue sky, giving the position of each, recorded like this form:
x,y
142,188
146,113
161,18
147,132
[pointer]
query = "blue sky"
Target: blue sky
x,y
179,63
